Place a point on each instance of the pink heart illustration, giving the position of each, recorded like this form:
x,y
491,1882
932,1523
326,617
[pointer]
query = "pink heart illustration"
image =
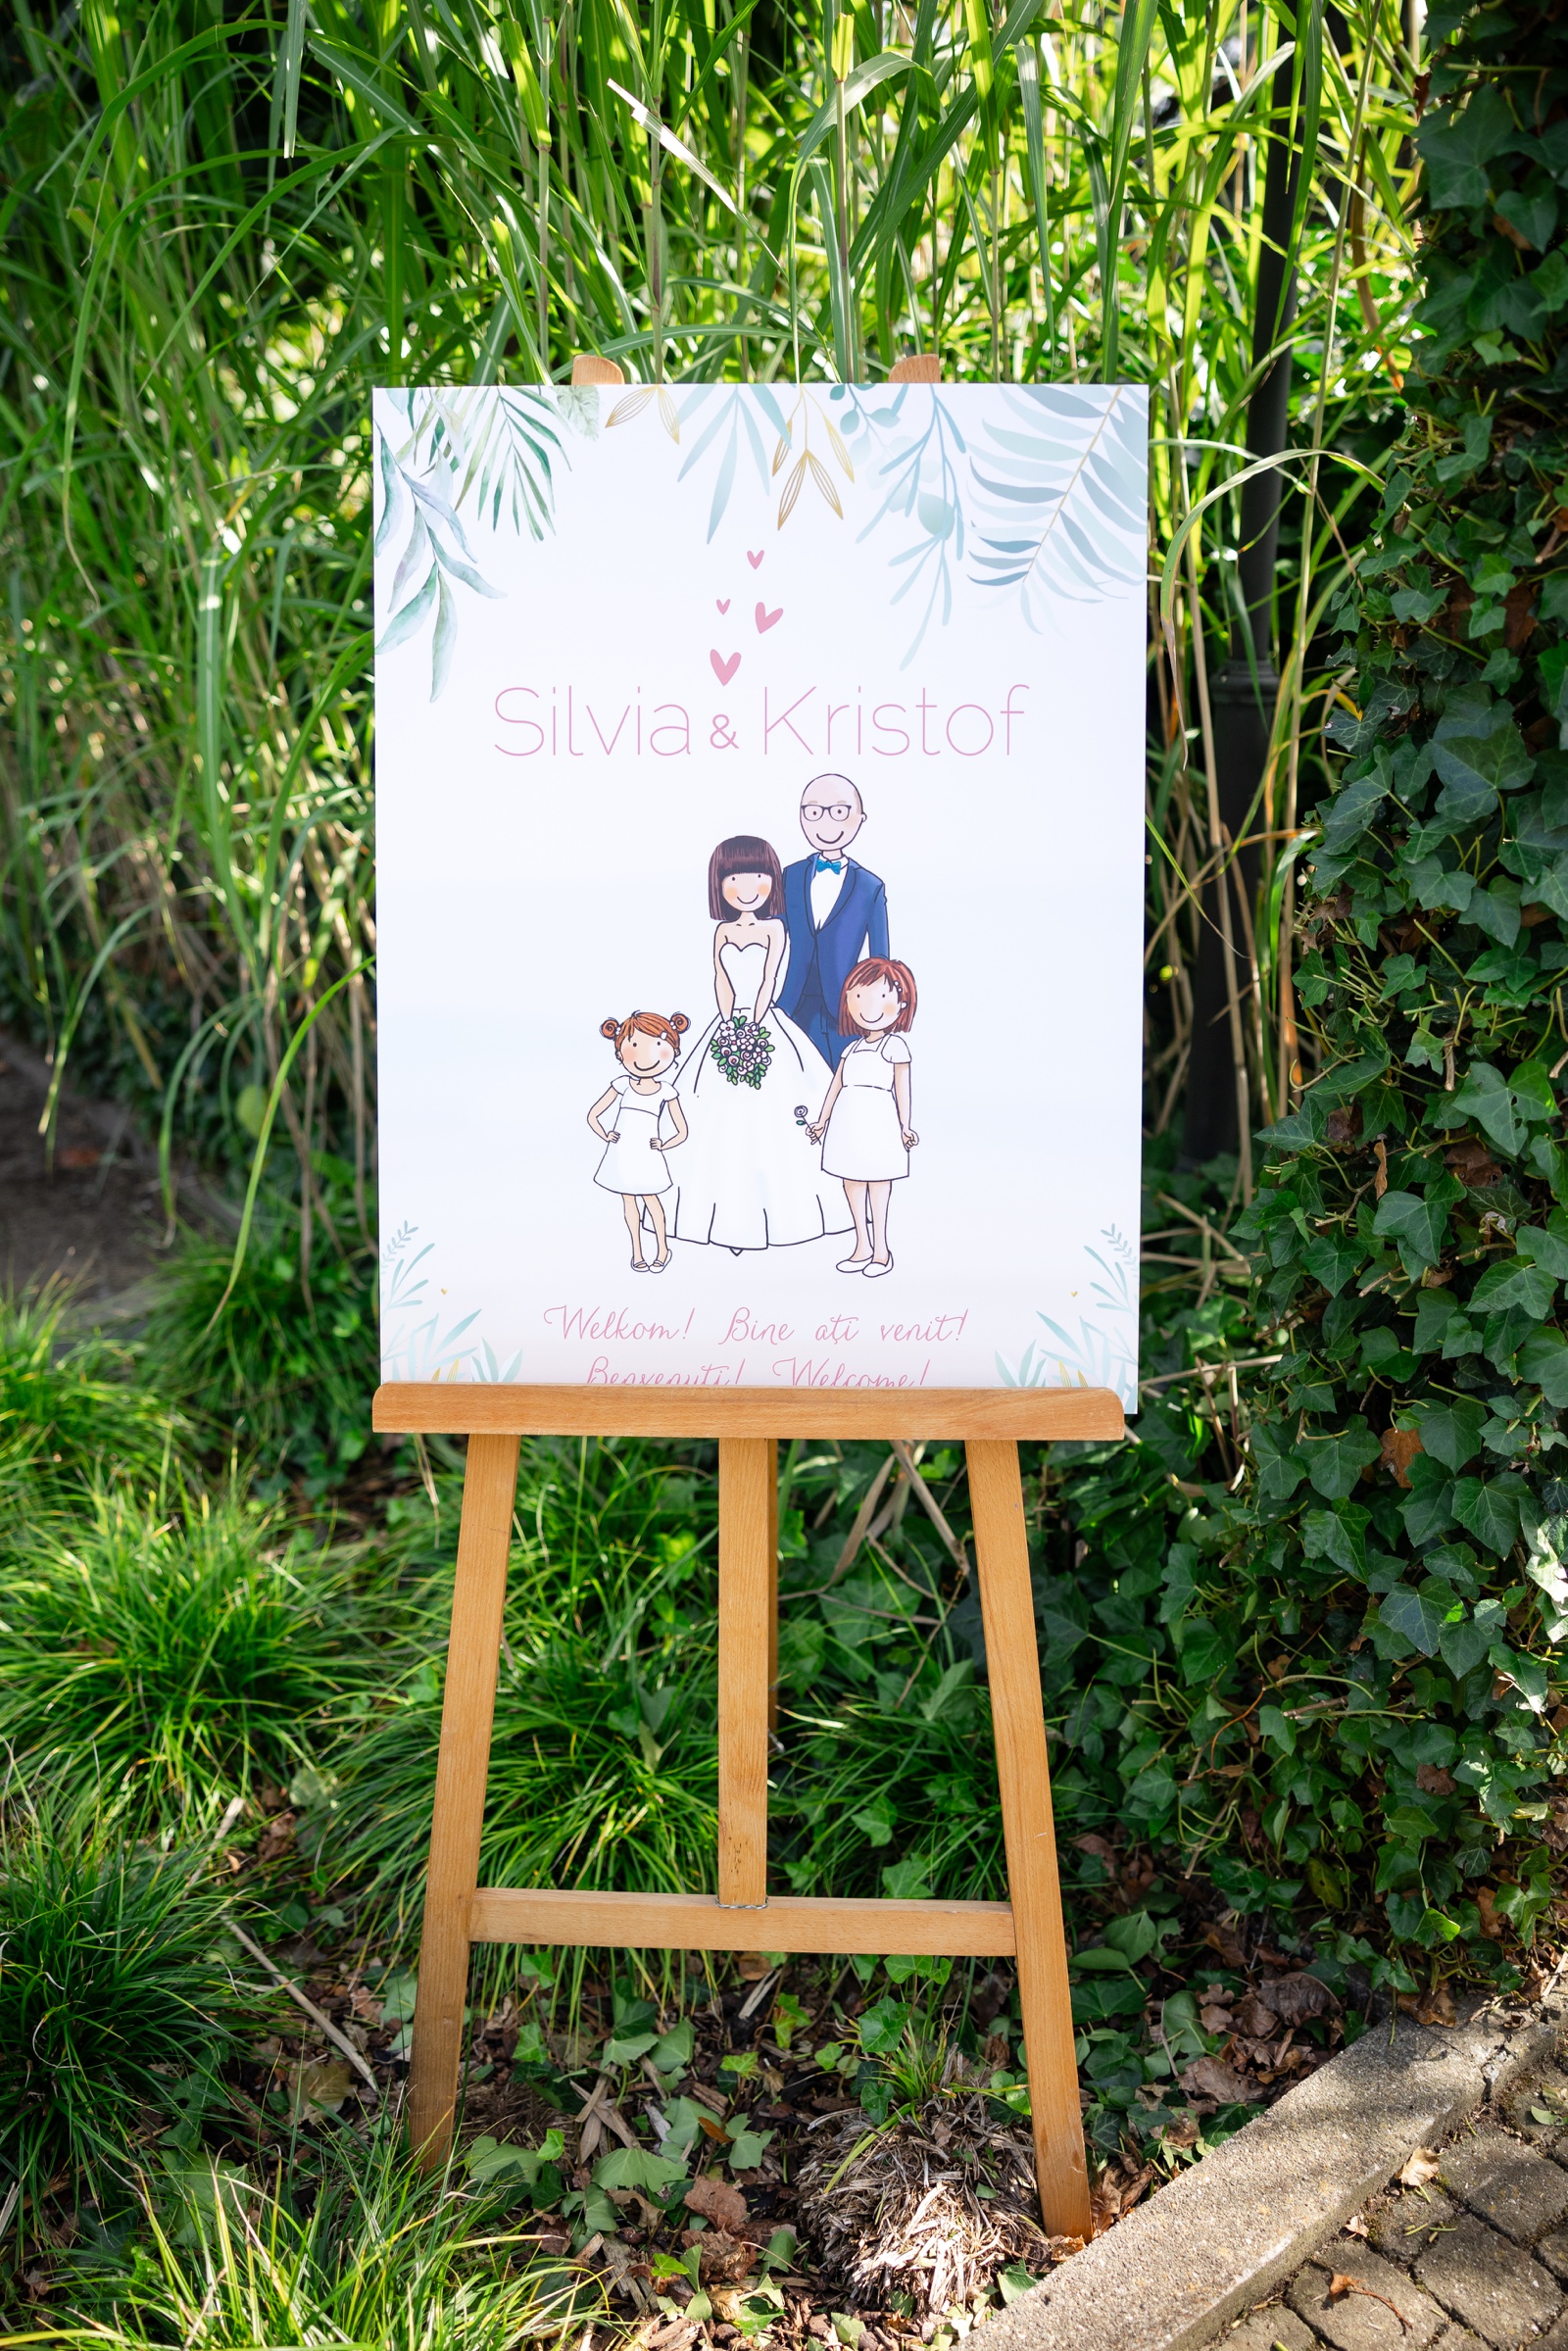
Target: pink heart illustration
x,y
767,619
722,602
754,559
724,671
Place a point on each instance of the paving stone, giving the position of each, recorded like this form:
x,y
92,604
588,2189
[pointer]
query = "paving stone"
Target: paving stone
x,y
1356,2322
1554,2251
1404,2226
1490,2284
1547,2096
1507,2184
1266,2330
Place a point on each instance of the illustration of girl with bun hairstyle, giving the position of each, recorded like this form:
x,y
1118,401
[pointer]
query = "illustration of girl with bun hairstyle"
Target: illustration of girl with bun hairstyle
x,y
647,1047
863,1125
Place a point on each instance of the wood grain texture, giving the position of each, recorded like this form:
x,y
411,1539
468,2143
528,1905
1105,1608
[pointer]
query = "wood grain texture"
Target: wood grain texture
x,y
1012,1665
922,367
773,1587
468,1710
747,1496
589,368
503,1914
481,1407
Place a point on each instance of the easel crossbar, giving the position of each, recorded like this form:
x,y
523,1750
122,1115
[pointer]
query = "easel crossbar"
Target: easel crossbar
x,y
699,1923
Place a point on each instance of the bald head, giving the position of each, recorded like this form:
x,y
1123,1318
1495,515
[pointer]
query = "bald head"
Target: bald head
x,y
831,814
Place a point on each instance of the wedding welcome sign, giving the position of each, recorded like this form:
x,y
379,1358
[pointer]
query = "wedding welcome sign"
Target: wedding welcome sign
x,y
760,871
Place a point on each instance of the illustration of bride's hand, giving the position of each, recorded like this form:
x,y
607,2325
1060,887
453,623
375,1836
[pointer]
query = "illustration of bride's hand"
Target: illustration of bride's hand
x,y
910,1139
816,1133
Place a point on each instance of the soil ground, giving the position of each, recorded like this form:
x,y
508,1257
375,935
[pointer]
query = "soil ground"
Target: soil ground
x,y
92,1221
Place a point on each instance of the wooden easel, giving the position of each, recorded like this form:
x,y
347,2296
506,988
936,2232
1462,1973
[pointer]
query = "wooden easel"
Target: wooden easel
x,y
748,1423
744,1916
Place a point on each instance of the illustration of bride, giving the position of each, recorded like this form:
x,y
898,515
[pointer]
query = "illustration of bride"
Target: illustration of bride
x,y
749,1177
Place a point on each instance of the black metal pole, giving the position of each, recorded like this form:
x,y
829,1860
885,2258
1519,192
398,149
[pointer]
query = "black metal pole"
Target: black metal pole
x,y
1242,690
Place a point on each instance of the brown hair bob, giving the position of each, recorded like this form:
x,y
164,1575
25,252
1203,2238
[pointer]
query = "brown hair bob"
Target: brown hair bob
x,y
647,1024
891,975
744,853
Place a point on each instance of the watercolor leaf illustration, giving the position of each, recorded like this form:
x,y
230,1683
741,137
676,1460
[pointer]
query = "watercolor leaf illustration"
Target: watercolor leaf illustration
x,y
493,446
736,410
1060,497
1093,1355
924,474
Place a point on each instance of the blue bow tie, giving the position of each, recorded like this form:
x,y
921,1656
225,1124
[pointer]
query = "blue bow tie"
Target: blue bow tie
x,y
829,865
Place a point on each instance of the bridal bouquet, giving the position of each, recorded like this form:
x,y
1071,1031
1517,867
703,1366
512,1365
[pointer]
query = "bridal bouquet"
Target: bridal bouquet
x,y
743,1051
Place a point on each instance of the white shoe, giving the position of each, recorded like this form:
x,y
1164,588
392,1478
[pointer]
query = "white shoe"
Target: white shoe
x,y
877,1267
852,1264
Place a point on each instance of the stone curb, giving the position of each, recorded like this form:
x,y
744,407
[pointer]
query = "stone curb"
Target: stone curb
x,y
1236,2224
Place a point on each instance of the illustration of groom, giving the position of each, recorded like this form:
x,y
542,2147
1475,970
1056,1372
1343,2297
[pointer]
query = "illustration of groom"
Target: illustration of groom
x,y
835,914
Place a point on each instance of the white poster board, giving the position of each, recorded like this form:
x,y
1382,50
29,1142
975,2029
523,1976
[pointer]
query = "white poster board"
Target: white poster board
x,y
823,703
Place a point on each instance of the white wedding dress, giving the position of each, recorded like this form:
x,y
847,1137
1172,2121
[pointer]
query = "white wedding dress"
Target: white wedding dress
x,y
749,1175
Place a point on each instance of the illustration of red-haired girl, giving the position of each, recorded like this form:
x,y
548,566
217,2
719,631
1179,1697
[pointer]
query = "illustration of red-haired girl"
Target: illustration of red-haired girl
x,y
863,1125
647,1047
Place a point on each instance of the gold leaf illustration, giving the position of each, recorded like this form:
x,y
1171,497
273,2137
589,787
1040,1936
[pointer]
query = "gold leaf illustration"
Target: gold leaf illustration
x,y
839,450
824,482
782,450
792,491
667,415
626,409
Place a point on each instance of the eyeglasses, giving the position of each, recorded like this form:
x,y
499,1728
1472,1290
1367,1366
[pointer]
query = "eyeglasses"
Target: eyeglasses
x,y
841,813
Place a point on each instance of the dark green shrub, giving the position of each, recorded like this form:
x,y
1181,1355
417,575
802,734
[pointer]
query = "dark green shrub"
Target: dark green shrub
x,y
286,1371
164,1659
69,1413
109,1996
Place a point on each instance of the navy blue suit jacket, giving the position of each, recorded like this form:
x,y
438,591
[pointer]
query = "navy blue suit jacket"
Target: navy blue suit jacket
x,y
857,926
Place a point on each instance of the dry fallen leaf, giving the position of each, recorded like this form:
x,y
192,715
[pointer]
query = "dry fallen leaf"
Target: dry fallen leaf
x,y
717,2201
1210,2078
317,2087
1422,2166
1356,2227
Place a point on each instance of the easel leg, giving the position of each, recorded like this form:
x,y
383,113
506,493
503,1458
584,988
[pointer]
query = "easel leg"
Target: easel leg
x,y
1002,1550
773,1585
478,1597
747,1477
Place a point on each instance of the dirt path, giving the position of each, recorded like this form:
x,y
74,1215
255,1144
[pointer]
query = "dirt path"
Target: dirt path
x,y
94,1221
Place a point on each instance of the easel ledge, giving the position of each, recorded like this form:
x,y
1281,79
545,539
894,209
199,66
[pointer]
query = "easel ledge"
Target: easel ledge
x,y
483,1408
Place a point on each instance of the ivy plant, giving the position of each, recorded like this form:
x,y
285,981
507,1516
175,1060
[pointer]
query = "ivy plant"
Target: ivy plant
x,y
1405,1510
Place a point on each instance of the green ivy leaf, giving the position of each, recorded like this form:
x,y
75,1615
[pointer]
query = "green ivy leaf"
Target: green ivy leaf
x,y
1464,1645
1450,1432
637,2167
1544,1359
1482,1095
1339,1535
1490,1510
1514,1283
1428,1508
883,2026
1417,1616
1478,751
1334,1463
671,2053
1457,146
1416,1225
1332,1258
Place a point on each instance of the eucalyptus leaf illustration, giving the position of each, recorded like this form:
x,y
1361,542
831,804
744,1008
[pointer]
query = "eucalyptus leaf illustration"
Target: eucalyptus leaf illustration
x,y
1058,496
731,417
492,449
924,473
1098,1353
